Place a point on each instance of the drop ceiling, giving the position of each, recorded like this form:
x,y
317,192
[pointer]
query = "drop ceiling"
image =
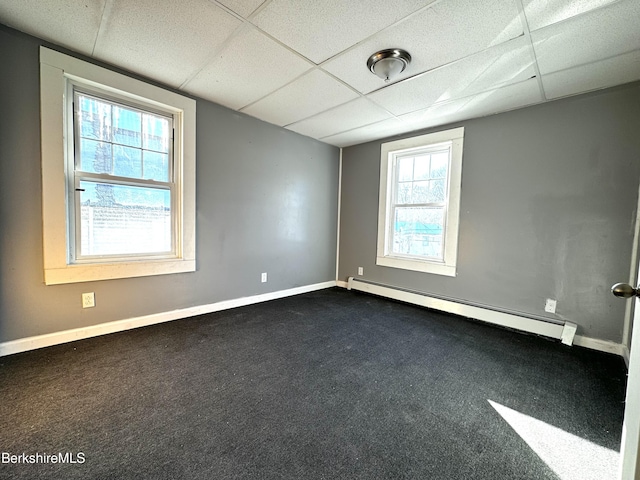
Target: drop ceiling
x,y
301,64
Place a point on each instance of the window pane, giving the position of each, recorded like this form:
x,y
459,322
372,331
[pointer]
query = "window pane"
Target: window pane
x,y
417,231
127,126
404,192
156,166
127,161
122,220
439,164
95,157
95,118
420,192
405,169
421,168
155,133
437,191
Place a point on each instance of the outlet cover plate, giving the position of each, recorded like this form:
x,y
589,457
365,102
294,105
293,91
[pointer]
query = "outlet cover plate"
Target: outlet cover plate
x,y
88,300
550,306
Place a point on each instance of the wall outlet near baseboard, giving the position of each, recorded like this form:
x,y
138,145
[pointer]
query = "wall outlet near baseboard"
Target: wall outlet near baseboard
x,y
263,278
550,306
360,271
88,300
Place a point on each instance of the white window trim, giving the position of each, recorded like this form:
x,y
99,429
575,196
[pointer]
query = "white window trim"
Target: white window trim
x,y
388,151
56,70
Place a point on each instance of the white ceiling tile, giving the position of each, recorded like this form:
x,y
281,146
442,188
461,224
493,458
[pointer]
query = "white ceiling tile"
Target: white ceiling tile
x,y
436,36
312,93
231,79
383,129
594,36
441,114
70,23
487,103
509,62
321,29
502,99
606,73
541,13
163,39
495,101
350,115
243,8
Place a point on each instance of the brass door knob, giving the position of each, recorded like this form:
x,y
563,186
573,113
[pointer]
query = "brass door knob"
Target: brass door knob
x,y
624,290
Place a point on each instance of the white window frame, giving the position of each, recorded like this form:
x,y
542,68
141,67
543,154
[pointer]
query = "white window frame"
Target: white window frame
x,y
388,153
57,73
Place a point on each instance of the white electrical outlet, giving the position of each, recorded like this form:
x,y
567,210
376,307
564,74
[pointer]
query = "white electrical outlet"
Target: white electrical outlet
x,y
263,278
550,306
88,300
360,271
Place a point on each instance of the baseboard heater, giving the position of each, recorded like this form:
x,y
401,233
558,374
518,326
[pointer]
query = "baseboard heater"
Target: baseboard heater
x,y
564,331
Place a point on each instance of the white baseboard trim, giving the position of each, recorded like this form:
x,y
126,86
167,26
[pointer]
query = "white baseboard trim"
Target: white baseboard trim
x,y
565,333
478,313
603,346
47,340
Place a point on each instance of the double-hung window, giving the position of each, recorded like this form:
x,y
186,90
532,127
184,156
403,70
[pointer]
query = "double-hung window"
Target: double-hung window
x,y
420,181
122,189
118,160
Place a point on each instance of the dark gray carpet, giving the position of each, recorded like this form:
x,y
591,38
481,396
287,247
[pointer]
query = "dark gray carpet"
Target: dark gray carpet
x,y
328,385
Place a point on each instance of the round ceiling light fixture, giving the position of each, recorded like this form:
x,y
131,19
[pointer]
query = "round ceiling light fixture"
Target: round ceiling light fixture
x,y
386,64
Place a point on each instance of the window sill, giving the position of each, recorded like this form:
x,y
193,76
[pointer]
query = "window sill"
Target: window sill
x,y
417,265
109,271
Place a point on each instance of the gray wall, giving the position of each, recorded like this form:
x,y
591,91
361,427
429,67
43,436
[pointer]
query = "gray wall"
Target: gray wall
x,y
266,202
548,201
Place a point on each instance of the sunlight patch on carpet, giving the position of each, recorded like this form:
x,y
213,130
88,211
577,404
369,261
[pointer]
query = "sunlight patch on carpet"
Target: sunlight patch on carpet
x,y
569,456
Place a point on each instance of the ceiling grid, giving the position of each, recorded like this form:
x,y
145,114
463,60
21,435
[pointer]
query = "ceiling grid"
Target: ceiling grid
x,y
301,64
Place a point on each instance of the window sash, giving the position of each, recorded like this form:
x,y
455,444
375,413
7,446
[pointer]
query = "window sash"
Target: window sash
x,y
77,90
392,236
77,175
393,205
